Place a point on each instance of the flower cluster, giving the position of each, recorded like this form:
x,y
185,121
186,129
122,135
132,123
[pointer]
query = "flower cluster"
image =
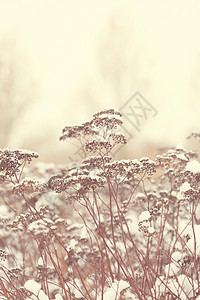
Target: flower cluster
x,y
41,227
129,168
27,219
3,255
99,135
76,182
12,160
175,158
29,186
100,228
144,224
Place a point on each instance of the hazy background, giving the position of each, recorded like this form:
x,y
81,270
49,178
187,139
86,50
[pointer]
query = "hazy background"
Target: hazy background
x,y
62,61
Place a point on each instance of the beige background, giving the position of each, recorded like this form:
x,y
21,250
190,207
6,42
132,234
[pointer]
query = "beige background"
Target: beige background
x,y
74,58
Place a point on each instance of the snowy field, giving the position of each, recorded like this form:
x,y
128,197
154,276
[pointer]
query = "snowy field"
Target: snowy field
x,y
101,228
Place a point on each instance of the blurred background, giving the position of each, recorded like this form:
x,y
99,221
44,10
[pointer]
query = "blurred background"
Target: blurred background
x,y
61,61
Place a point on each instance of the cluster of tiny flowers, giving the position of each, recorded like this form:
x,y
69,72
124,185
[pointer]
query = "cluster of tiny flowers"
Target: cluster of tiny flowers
x,y
3,255
108,119
100,135
77,131
42,227
129,168
28,218
148,165
12,160
15,273
29,186
100,120
97,145
176,158
93,162
77,182
144,224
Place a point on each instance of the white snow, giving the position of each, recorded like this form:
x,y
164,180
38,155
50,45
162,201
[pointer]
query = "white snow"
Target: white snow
x,y
40,226
180,147
144,216
197,212
4,211
181,286
32,286
185,187
182,157
58,297
40,262
114,290
132,221
176,256
172,269
193,166
93,174
42,296
151,230
71,245
193,242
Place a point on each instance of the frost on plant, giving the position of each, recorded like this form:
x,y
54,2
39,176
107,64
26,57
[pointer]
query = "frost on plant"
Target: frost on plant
x,y
100,228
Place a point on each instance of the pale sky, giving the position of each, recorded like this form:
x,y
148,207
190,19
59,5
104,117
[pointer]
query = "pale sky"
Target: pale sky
x,y
153,47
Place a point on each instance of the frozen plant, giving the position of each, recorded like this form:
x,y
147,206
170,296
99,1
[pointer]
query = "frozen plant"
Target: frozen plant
x,y
100,228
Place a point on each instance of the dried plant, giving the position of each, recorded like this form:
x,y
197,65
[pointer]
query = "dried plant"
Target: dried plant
x,y
100,229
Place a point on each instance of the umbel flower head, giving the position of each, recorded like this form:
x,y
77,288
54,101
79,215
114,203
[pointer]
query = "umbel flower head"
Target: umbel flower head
x,y
12,160
100,134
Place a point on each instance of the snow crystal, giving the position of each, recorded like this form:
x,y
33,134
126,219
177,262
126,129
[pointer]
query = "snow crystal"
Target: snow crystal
x,y
193,166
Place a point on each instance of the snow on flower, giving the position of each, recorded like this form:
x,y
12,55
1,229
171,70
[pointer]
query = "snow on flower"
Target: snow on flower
x,y
182,156
113,292
181,287
132,221
172,269
151,230
32,286
40,261
40,226
58,297
145,216
185,187
193,166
